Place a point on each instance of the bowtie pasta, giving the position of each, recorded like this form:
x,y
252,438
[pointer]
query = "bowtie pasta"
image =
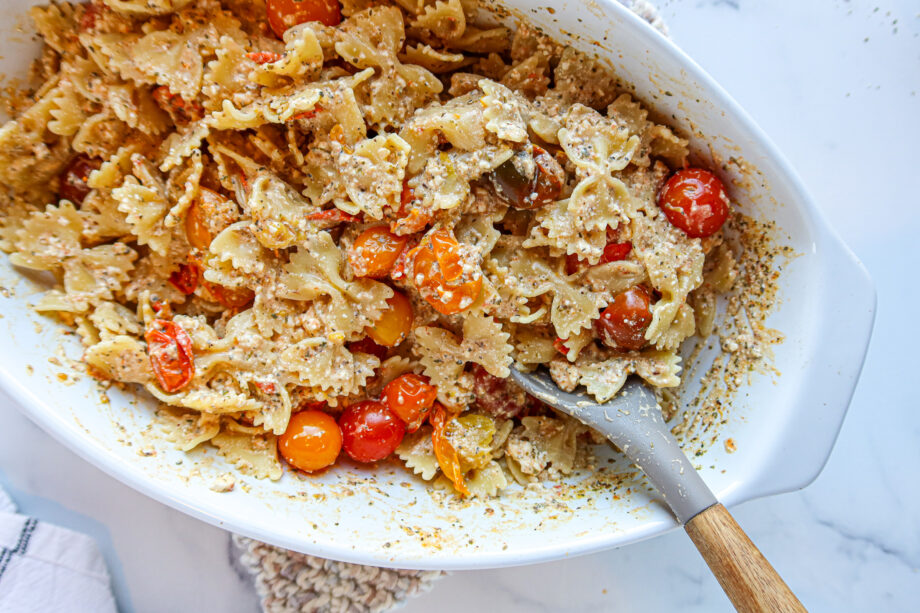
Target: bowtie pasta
x,y
308,227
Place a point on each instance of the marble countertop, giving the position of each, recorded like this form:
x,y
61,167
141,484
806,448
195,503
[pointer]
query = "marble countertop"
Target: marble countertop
x,y
835,84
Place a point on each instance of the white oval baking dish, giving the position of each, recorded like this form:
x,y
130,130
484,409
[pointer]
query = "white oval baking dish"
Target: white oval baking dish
x,y
783,426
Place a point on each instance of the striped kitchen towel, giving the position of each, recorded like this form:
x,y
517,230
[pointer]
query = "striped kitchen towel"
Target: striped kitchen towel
x,y
48,568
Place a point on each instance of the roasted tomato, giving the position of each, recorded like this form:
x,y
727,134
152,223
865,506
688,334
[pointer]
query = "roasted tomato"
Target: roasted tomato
x,y
446,454
623,323
411,397
171,357
370,431
284,14
186,278
394,325
530,179
263,57
311,442
613,252
496,396
412,217
694,200
367,345
229,297
375,251
75,177
444,274
208,216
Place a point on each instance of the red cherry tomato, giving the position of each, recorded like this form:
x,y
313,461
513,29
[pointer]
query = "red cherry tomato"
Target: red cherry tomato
x,y
497,397
284,14
75,176
410,397
613,252
311,442
623,323
186,278
370,431
375,251
171,357
694,200
367,345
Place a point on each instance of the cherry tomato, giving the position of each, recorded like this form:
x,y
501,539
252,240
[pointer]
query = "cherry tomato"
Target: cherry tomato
x,y
412,217
171,357
178,107
375,251
410,397
496,396
530,179
613,252
441,275
623,323
447,456
263,57
333,215
394,325
208,216
311,442
694,200
367,345
75,176
370,431
284,14
186,278
229,297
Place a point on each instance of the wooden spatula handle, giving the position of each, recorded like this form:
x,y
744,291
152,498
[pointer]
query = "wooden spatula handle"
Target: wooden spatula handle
x,y
748,579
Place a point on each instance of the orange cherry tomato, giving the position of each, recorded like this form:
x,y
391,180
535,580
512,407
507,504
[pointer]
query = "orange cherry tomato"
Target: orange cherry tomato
x,y
370,431
623,323
311,442
229,297
441,275
613,252
394,325
410,396
284,14
75,176
447,456
694,200
375,251
171,357
209,214
333,215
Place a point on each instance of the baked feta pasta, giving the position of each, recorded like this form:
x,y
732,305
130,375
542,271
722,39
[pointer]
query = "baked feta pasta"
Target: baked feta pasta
x,y
314,229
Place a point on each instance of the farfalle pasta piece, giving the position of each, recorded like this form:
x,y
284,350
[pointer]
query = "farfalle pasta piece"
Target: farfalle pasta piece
x,y
445,19
187,429
373,173
146,7
120,358
503,112
436,60
251,453
328,368
417,452
603,378
488,481
145,210
372,38
654,139
47,238
302,59
55,23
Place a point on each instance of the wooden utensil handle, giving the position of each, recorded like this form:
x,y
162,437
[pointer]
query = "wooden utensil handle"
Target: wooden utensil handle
x,y
748,579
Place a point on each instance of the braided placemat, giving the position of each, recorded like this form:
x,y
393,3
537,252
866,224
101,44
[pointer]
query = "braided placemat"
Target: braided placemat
x,y
289,582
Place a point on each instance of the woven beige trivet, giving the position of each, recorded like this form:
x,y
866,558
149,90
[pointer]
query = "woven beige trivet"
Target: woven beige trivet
x,y
290,582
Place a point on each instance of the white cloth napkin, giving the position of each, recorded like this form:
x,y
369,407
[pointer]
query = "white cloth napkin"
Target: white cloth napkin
x,y
48,568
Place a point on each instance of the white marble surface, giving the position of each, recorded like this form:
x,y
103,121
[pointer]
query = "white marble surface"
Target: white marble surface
x,y
835,84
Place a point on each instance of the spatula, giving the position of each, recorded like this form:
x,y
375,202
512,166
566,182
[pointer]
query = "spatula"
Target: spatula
x,y
633,422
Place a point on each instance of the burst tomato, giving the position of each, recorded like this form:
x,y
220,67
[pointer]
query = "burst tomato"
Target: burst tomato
x,y
394,325
370,431
613,252
623,323
410,397
186,278
447,456
694,200
209,214
171,357
311,442
530,179
444,274
375,251
284,14
75,177
367,345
